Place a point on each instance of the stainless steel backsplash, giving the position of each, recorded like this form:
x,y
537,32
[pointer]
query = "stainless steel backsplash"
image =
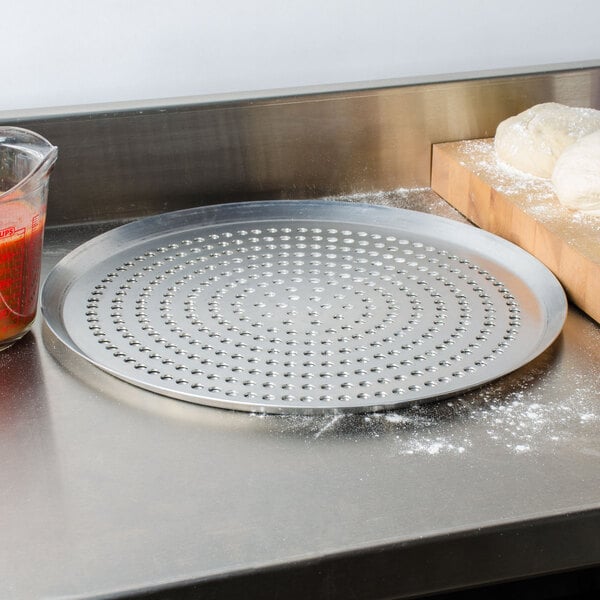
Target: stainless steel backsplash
x,y
134,159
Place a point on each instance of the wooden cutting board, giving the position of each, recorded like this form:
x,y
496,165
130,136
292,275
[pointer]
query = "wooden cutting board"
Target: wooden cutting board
x,y
524,210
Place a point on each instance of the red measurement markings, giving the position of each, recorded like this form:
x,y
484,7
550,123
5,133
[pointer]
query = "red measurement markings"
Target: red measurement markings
x,y
7,232
20,258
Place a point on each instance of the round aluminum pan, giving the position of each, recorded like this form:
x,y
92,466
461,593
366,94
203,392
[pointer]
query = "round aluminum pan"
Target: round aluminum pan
x,y
303,306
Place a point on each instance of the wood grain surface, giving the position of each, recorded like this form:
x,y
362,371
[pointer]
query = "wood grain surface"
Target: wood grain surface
x,y
522,209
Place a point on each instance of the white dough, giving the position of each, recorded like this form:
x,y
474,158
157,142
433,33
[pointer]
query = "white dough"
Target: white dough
x,y
576,176
533,140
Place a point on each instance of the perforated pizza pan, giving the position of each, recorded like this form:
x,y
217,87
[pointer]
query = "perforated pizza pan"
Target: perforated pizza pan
x,y
303,306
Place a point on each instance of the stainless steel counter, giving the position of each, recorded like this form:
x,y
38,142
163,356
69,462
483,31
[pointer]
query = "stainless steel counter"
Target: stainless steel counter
x,y
109,490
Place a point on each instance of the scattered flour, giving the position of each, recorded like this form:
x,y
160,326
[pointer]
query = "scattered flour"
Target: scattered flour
x,y
520,416
419,199
538,410
537,193
331,423
505,179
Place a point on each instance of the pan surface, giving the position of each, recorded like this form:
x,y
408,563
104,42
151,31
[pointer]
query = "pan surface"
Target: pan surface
x,y
303,306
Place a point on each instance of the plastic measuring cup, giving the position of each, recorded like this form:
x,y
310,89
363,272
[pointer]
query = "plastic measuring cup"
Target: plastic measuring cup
x,y
26,159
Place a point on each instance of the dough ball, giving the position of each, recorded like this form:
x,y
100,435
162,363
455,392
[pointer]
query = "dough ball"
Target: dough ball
x,y
532,140
576,176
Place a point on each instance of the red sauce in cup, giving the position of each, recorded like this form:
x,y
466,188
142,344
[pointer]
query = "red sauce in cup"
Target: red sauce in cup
x,y
21,239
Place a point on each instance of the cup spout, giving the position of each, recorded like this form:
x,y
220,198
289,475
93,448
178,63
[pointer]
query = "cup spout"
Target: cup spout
x,y
26,159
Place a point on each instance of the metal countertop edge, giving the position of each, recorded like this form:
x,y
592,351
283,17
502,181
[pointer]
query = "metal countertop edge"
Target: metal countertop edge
x,y
512,552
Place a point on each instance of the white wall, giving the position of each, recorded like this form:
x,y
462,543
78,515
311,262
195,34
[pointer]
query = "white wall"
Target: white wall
x,y
65,52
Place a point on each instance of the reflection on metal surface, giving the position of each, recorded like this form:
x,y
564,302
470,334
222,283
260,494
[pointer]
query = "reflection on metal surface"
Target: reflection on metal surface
x,y
201,488
121,163
29,462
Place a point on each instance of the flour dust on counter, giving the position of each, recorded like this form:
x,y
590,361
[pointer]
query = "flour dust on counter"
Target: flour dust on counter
x,y
419,199
516,414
